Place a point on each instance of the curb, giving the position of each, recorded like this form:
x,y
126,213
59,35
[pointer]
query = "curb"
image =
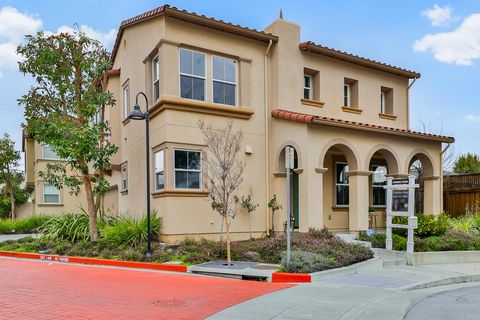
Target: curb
x,y
291,277
444,282
95,261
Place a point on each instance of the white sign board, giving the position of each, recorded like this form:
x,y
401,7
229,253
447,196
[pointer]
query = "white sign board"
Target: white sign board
x,y
289,157
401,202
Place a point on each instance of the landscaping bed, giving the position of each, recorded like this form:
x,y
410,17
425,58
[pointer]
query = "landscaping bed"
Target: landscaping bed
x,y
434,233
312,251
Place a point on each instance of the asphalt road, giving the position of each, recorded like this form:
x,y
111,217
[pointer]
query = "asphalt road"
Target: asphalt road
x,y
449,305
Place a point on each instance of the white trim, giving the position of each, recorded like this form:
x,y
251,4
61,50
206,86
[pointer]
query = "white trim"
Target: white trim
x,y
51,194
224,81
192,75
126,101
155,66
187,170
309,88
124,177
155,169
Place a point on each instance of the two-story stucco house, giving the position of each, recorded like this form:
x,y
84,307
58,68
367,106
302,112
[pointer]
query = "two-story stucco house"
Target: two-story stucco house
x,y
346,116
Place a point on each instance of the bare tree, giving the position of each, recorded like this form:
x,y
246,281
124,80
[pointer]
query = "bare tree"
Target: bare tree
x,y
223,172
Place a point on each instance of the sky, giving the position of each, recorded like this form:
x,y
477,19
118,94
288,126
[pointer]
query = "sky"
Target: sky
x,y
439,39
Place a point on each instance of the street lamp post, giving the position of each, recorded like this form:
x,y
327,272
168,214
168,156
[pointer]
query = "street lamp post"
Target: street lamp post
x,y
137,114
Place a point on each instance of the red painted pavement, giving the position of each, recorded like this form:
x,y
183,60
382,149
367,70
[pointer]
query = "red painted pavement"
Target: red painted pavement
x,y
40,290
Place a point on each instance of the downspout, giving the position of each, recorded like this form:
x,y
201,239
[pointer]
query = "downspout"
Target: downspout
x,y
267,166
408,102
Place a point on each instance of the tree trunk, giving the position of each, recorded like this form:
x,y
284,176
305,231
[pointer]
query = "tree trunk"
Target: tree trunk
x,y
92,213
12,199
221,230
227,229
250,224
273,223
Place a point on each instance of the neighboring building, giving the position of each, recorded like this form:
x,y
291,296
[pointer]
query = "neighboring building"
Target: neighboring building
x,y
45,199
346,116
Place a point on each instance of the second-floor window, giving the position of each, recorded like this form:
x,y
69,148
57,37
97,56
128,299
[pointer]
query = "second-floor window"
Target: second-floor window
x,y
126,102
49,153
382,102
159,171
386,100
307,87
156,79
224,80
192,75
347,94
124,171
188,169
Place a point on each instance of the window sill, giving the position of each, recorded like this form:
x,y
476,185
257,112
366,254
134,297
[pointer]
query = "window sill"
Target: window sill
x,y
50,204
125,121
200,107
180,193
387,116
124,191
313,103
352,110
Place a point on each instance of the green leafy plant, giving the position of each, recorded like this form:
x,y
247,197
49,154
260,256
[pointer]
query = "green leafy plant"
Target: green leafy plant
x,y
274,205
467,163
69,226
25,225
428,225
247,204
129,231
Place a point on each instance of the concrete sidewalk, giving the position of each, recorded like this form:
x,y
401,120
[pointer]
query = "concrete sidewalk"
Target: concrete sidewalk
x,y
17,236
371,292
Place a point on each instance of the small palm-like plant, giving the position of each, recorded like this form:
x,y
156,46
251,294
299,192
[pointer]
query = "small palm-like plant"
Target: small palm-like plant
x,y
247,204
275,206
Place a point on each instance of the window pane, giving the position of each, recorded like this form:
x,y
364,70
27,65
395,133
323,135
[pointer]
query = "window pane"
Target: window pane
x,y
125,102
230,94
49,153
180,159
307,81
306,93
49,189
181,179
199,64
193,160
198,89
342,173
51,198
186,61
230,70
379,175
159,180
186,87
159,161
155,69
156,90
193,180
342,195
379,196
346,93
218,92
218,68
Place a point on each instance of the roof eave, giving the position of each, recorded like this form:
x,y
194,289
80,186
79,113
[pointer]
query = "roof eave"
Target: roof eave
x,y
310,46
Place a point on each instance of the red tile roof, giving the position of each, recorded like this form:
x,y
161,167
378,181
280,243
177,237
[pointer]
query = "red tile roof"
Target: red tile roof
x,y
113,72
308,118
345,56
193,18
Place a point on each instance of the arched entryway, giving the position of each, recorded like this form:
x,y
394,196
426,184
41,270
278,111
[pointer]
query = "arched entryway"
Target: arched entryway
x,y
339,160
420,164
294,186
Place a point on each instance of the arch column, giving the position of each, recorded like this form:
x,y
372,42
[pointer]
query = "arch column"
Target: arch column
x,y
315,198
358,200
432,192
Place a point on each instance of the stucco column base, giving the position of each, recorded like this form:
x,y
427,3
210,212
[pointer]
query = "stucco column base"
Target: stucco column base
x,y
431,195
359,200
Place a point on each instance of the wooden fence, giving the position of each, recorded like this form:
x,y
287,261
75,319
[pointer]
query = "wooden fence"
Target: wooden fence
x,y
461,193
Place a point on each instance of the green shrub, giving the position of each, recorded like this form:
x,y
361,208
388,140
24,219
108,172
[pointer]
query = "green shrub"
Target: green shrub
x,y
378,240
69,226
467,223
131,254
306,262
24,225
129,231
428,225
452,241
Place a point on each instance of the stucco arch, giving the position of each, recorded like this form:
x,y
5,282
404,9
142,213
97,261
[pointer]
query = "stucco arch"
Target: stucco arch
x,y
428,164
388,154
346,148
278,160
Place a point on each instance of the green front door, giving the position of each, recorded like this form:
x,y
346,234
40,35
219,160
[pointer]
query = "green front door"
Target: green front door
x,y
295,200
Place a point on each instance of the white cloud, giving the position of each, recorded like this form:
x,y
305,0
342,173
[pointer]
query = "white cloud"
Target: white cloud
x,y
439,16
106,38
472,117
14,26
460,46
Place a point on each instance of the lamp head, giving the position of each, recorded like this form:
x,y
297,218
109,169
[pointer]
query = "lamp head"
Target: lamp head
x,y
136,113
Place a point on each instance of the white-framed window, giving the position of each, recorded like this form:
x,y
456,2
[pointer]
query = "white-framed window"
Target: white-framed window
x,y
159,170
307,87
382,102
51,194
347,94
126,102
379,180
124,175
188,169
341,184
156,79
192,75
49,153
224,80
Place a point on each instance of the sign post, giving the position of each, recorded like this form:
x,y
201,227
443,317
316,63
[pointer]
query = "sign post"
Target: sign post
x,y
401,202
289,164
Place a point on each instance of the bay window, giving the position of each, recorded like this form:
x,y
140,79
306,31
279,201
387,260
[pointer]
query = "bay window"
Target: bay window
x,y
192,75
224,80
187,169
